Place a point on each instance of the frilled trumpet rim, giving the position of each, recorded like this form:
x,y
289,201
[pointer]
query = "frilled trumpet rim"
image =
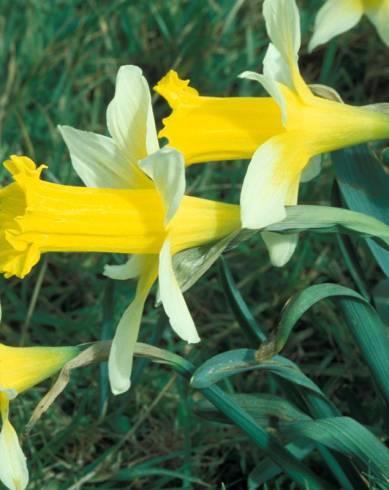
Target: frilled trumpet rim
x,y
38,217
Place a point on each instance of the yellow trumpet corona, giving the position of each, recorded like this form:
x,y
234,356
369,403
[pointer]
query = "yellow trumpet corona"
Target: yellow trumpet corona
x,y
215,128
38,217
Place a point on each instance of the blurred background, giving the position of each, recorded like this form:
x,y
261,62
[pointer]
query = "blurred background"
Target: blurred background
x,y
60,59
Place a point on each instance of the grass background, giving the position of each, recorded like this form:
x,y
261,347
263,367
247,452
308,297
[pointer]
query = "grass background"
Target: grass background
x,y
59,63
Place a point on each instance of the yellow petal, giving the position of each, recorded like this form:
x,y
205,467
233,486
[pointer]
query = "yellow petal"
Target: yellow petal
x,y
215,128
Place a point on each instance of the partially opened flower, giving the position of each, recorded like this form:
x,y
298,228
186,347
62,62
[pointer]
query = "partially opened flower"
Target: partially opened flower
x,y
283,134
22,368
338,16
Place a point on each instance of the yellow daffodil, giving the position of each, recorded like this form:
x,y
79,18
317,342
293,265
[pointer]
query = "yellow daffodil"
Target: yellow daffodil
x,y
155,223
282,135
22,368
338,16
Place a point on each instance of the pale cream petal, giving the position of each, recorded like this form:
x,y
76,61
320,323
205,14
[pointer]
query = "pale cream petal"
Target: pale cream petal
x,y
280,246
122,350
271,180
99,162
130,270
13,464
166,168
335,17
283,27
276,68
379,16
130,117
173,300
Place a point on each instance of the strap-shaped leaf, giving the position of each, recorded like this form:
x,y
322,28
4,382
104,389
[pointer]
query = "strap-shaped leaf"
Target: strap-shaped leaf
x,y
237,361
362,320
348,437
364,186
328,219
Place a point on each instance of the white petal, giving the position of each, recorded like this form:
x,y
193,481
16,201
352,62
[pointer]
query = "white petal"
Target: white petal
x,y
379,16
98,160
172,299
166,168
13,464
122,349
271,87
283,27
335,17
131,269
130,117
280,246
275,67
313,169
271,180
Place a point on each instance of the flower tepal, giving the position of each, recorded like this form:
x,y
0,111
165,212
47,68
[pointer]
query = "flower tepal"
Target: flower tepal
x,y
338,16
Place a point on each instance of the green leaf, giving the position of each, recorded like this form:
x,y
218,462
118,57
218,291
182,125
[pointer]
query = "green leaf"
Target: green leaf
x,y
267,470
247,322
364,323
264,408
364,186
327,219
237,361
347,436
269,445
381,299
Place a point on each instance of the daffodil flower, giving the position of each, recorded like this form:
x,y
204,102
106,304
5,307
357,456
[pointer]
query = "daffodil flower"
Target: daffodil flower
x,y
152,219
22,368
282,134
338,16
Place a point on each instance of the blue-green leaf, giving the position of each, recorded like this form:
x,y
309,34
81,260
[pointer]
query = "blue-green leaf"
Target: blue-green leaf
x,y
364,185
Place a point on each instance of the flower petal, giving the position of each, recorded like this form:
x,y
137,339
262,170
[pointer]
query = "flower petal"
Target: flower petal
x,y
166,168
283,27
335,17
172,299
379,16
13,464
271,180
99,162
131,269
122,350
276,68
130,117
280,247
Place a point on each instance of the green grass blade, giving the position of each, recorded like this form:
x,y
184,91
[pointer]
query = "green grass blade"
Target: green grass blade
x,y
249,326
